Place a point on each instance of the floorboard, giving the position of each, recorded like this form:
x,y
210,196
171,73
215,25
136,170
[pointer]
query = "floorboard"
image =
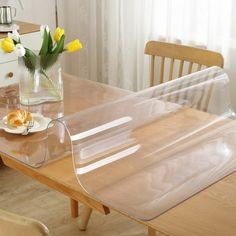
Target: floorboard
x,y
22,195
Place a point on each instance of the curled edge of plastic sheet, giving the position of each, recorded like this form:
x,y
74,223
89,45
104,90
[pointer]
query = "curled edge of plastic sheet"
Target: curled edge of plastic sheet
x,y
151,150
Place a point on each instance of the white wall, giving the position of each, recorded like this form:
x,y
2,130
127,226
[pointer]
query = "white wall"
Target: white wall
x,y
36,11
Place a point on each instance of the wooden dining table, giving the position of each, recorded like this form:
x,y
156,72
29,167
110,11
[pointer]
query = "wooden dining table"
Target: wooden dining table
x,y
209,212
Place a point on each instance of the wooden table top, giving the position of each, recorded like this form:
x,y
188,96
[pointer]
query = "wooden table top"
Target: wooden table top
x,y
25,28
88,94
210,212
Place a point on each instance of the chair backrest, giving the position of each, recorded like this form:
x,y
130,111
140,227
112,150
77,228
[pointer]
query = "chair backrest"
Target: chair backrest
x,y
14,225
202,90
175,52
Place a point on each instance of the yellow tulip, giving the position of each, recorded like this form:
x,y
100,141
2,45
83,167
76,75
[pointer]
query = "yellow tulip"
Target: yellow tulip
x,y
74,46
58,33
8,45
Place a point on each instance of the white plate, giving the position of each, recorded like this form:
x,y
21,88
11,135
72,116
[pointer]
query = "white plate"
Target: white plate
x,y
40,124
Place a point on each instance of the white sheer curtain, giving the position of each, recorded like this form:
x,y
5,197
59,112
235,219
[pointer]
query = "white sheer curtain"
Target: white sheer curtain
x,y
114,33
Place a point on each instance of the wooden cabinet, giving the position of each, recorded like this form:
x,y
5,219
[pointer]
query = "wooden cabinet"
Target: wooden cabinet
x,y
30,38
8,73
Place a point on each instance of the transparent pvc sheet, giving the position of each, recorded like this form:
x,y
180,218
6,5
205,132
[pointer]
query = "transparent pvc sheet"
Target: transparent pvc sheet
x,y
32,149
29,149
147,152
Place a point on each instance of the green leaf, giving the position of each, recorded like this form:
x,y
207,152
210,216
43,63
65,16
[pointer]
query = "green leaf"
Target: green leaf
x,y
44,47
48,60
60,46
15,42
30,60
50,43
49,54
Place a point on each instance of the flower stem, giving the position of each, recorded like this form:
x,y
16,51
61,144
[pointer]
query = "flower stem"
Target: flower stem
x,y
59,95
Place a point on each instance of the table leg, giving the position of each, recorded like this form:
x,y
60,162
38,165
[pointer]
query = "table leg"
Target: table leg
x,y
85,218
151,232
74,208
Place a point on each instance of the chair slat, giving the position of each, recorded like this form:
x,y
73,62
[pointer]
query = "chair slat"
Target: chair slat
x,y
171,69
209,94
190,67
162,70
181,66
152,71
199,66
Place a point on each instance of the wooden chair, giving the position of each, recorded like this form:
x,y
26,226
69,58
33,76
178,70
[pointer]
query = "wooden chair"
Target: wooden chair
x,y
14,225
175,52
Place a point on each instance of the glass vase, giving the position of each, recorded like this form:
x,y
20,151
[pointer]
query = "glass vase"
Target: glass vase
x,y
41,84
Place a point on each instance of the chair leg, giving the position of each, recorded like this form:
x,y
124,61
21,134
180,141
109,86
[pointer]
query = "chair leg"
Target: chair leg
x,y
85,218
74,208
151,232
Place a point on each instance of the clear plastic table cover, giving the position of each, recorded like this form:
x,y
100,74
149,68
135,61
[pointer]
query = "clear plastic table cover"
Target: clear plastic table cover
x,y
146,152
151,150
79,94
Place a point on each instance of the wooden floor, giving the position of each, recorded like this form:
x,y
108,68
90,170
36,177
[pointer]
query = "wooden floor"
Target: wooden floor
x,y
22,195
